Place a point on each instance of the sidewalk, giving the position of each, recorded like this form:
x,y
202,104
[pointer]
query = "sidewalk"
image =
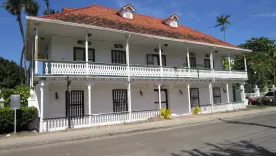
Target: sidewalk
x,y
57,137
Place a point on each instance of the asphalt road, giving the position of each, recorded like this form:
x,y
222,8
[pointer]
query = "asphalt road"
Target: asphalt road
x,y
252,136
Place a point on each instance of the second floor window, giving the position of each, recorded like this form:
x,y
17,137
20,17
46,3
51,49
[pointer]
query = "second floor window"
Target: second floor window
x,y
192,62
118,57
153,59
79,54
207,64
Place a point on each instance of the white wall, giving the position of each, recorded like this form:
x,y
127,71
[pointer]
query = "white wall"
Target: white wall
x,y
102,102
61,48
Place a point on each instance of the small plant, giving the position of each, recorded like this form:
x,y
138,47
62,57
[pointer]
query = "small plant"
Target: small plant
x,y
196,110
165,113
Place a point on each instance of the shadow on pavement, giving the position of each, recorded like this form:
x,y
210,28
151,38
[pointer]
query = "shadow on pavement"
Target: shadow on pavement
x,y
247,123
242,148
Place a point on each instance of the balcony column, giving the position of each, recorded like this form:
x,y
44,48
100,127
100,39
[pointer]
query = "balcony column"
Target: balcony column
x,y
41,125
227,92
189,98
160,59
159,95
211,96
89,85
212,64
86,53
128,79
188,60
36,49
229,62
245,64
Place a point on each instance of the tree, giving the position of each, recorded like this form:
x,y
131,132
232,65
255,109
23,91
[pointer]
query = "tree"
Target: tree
x,y
261,62
9,75
222,22
15,8
48,10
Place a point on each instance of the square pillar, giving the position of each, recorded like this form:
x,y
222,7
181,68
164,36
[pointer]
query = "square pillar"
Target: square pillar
x,y
36,50
86,52
41,125
242,92
159,95
160,59
227,92
189,98
211,96
89,86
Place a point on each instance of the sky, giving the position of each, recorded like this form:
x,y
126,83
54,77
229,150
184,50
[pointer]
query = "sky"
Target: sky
x,y
196,14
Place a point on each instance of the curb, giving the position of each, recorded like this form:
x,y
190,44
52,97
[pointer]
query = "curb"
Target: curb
x,y
105,134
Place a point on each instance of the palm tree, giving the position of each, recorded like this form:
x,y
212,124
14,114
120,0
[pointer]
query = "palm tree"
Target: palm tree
x,y
222,22
15,8
48,10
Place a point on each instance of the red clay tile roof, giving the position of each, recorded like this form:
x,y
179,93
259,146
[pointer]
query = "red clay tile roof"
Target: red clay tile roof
x,y
106,17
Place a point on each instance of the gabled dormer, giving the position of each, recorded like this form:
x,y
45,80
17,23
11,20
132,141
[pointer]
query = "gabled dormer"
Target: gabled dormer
x,y
171,20
127,11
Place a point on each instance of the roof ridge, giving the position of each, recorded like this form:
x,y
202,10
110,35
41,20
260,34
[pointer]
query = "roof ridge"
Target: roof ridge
x,y
63,12
206,35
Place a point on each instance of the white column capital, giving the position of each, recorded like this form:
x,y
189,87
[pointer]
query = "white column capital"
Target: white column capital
x,y
188,84
89,83
159,83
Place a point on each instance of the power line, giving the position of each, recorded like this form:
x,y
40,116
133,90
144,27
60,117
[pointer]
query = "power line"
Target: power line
x,y
256,13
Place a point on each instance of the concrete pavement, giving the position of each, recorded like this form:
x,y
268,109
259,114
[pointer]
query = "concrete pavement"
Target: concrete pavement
x,y
59,137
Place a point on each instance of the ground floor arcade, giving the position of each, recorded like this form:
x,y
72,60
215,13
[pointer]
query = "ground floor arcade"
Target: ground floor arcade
x,y
104,102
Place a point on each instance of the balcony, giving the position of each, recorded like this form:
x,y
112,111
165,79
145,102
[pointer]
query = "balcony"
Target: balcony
x,y
70,68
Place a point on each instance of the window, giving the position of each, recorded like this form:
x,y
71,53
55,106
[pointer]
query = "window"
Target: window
x,y
269,94
192,62
194,96
216,95
207,64
153,59
120,100
118,57
79,54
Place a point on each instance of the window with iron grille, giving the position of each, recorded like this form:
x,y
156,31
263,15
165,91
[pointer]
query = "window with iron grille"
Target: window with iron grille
x,y
118,57
79,54
120,100
194,96
216,95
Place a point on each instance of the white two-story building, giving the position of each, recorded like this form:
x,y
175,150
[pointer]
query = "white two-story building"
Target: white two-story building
x,y
118,66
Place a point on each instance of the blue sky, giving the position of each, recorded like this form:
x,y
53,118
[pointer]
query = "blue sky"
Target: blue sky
x,y
196,14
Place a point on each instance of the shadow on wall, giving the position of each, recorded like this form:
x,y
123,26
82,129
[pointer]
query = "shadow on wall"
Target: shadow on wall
x,y
242,148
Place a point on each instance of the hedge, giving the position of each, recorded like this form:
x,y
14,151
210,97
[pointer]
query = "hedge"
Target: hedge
x,y
23,91
24,116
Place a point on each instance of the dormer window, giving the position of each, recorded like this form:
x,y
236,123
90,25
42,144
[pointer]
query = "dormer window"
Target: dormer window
x,y
127,11
172,21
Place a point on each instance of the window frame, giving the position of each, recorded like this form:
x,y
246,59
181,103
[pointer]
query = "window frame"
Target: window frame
x,y
192,65
84,58
197,89
122,60
214,88
164,59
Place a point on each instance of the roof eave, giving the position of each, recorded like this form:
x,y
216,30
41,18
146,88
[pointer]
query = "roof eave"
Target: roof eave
x,y
128,32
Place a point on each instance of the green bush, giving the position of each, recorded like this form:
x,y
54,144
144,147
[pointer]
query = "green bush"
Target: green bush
x,y
23,91
24,116
165,113
196,110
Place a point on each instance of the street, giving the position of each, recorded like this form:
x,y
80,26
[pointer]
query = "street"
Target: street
x,y
247,136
